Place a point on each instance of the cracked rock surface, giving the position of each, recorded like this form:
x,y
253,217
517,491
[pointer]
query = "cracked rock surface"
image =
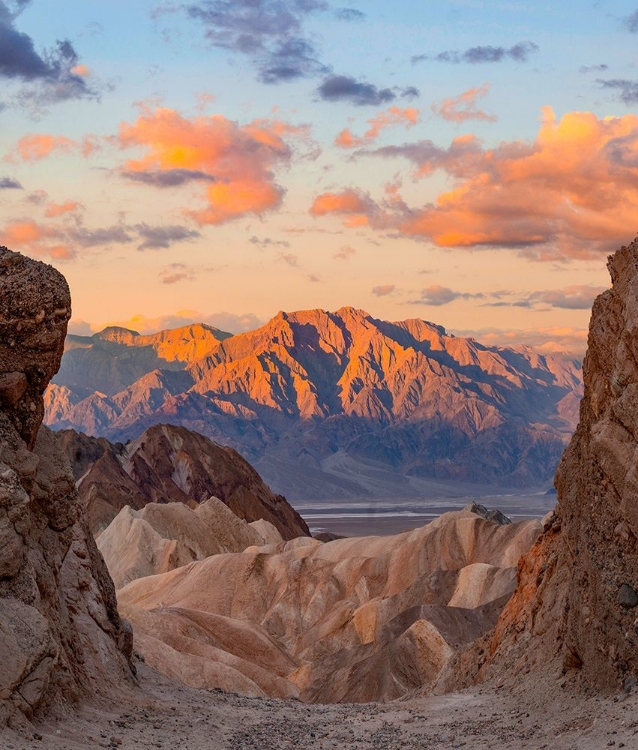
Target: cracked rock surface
x,y
61,637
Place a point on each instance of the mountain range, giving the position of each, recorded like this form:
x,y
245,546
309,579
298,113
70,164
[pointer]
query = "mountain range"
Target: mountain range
x,y
331,404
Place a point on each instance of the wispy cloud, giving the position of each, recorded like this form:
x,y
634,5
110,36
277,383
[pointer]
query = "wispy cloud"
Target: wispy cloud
x,y
345,253
627,91
8,183
383,290
341,88
482,54
54,75
393,116
463,107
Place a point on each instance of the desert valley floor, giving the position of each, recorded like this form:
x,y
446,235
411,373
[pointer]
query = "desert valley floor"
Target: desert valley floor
x,y
537,714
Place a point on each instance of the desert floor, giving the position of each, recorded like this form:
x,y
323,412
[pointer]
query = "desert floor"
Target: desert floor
x,y
164,714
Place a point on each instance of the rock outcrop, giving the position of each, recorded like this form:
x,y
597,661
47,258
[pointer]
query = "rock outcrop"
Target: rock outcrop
x,y
169,464
326,403
352,620
159,538
61,637
575,609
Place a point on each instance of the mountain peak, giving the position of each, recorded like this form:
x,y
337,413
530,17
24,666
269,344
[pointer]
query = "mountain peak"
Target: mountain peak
x,y
116,334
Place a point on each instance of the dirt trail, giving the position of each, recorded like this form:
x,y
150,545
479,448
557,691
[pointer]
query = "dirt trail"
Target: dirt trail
x,y
164,714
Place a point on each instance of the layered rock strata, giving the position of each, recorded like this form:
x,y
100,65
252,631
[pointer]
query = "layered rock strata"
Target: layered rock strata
x,y
352,620
61,637
171,464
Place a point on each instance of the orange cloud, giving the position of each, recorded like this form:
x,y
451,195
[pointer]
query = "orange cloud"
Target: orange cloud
x,y
59,209
393,116
355,205
463,107
37,146
572,193
236,161
81,70
39,240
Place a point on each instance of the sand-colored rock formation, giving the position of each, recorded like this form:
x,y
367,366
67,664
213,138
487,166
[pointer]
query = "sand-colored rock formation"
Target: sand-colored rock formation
x,y
355,619
60,634
159,538
169,464
576,606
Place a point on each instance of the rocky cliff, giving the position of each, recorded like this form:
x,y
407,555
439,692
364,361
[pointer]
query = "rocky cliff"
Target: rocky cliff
x,y
60,634
576,605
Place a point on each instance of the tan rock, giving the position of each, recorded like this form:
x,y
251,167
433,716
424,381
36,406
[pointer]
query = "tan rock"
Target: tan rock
x,y
356,619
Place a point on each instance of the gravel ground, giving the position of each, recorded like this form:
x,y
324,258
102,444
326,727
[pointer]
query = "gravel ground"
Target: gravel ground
x,y
165,714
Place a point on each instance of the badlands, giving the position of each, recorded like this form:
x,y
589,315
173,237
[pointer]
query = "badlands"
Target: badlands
x,y
470,632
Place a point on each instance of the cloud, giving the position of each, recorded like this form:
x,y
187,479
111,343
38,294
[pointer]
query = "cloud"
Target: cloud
x,y
483,54
575,297
627,90
53,75
176,272
168,177
437,296
571,342
293,58
38,146
345,253
8,183
631,22
62,240
59,209
238,159
393,116
79,327
356,206
383,290
340,88
593,68
268,242
289,259
571,193
463,107
161,237
225,321
269,32
349,14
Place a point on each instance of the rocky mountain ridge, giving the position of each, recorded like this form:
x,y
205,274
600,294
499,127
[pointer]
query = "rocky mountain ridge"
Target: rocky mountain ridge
x,y
168,464
313,389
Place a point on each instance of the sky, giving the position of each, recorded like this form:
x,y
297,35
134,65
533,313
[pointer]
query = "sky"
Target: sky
x,y
468,162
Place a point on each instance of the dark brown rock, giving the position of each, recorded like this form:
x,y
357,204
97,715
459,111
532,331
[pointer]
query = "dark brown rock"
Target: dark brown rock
x,y
12,387
35,306
61,637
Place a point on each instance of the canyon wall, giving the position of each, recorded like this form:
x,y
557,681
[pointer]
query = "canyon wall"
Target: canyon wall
x,y
576,605
61,637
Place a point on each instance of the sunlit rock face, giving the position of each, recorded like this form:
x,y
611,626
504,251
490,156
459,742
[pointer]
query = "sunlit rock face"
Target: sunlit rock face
x,y
312,392
61,637
576,606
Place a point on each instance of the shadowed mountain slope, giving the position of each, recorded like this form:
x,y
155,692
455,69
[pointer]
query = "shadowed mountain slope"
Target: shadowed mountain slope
x,y
168,464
